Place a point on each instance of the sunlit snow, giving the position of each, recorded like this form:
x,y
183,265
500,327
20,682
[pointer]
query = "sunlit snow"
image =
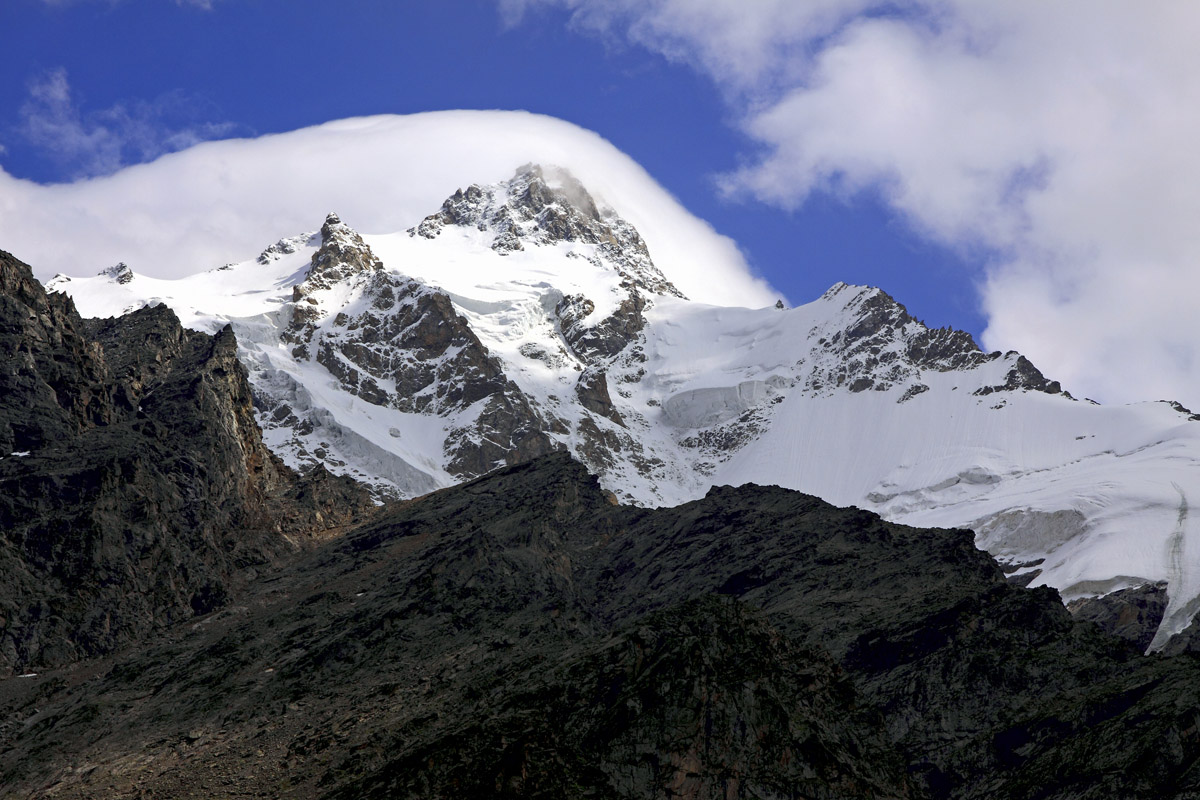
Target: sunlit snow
x,y
728,395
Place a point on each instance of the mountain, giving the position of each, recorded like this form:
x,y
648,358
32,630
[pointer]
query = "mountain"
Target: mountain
x,y
527,317
185,616
521,636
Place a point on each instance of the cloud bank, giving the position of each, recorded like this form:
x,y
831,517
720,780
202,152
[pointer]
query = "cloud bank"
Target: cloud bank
x,y
1056,138
225,201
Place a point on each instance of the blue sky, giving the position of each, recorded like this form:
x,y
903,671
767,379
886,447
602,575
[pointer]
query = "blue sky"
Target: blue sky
x,y
250,67
1024,170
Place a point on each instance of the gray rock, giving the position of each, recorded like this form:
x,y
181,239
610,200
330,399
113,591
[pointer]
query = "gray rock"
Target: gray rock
x,y
592,391
1132,614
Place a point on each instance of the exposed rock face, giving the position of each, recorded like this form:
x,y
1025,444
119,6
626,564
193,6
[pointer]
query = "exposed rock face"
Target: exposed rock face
x,y
885,346
1175,404
1023,375
703,700
884,343
401,344
598,342
1133,614
1186,641
343,256
145,493
53,385
409,337
521,636
119,273
592,391
542,207
291,244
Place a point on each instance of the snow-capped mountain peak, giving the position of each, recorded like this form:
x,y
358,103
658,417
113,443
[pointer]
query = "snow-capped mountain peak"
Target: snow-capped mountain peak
x,y
342,263
542,206
527,316
342,254
872,343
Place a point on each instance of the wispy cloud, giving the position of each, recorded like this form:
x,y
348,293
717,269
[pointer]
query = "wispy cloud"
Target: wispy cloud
x,y
86,144
1059,137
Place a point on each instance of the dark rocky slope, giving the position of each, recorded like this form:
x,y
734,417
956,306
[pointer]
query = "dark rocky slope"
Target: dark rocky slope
x,y
135,491
520,636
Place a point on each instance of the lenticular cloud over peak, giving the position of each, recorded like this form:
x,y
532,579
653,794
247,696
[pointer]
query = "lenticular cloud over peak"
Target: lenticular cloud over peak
x,y
224,201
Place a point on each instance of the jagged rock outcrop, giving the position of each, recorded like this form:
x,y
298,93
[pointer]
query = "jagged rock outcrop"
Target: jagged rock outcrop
x,y
599,341
1022,376
139,492
290,244
592,391
884,346
543,206
53,385
342,256
119,273
546,206
401,344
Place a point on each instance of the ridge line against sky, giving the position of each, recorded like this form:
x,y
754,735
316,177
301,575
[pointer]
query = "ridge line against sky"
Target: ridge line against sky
x,y
1035,159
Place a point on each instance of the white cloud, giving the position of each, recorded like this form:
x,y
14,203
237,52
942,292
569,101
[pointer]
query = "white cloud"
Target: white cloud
x,y
100,142
1060,137
744,45
225,201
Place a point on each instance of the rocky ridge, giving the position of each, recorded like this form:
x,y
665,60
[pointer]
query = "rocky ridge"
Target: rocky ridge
x,y
138,492
541,206
1133,614
395,342
520,635
544,206
878,345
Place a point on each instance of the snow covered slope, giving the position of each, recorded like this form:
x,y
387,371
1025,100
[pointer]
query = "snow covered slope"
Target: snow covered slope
x,y
525,316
